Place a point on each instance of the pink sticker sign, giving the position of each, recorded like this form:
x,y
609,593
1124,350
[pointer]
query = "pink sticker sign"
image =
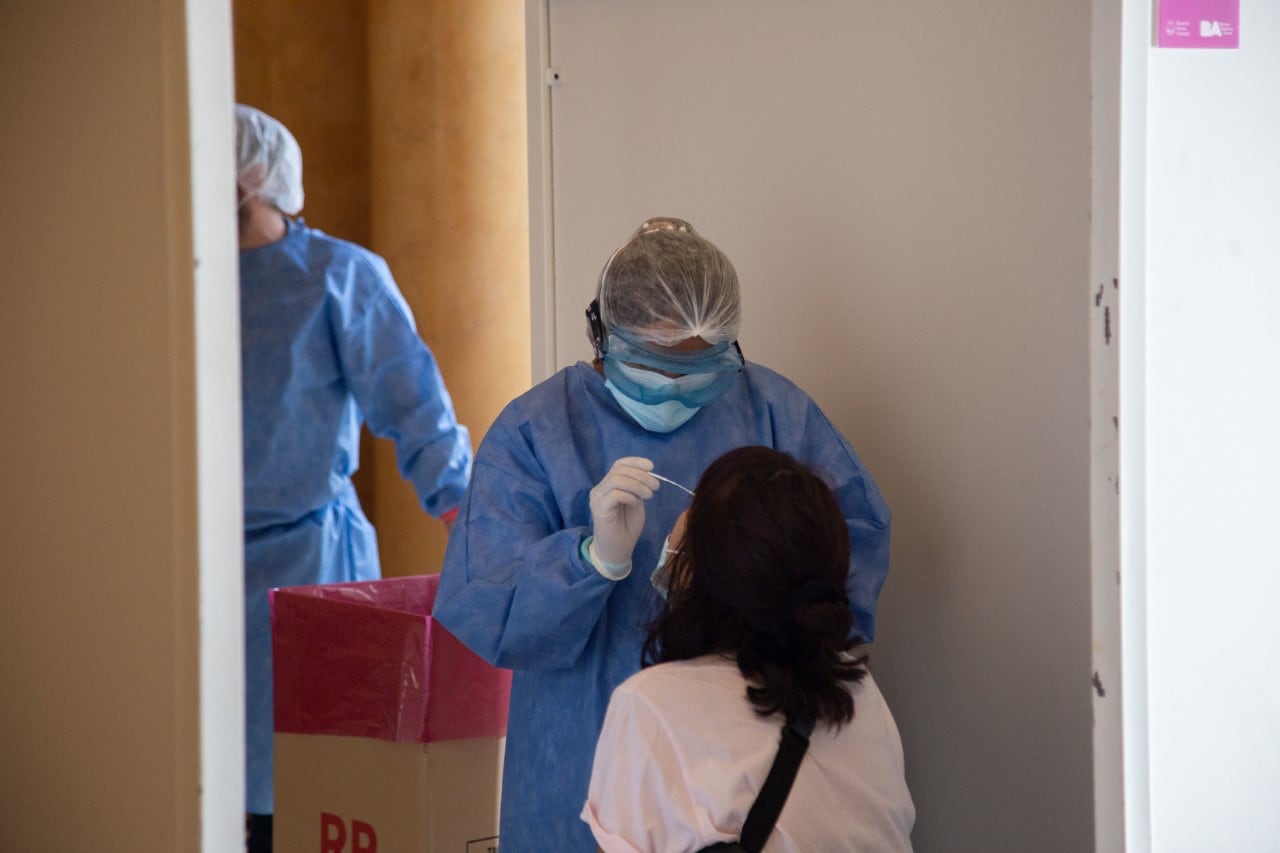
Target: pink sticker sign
x,y
1198,23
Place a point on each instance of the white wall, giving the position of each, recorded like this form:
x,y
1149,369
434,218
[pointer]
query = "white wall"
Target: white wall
x,y
120,613
905,191
1105,342
1210,303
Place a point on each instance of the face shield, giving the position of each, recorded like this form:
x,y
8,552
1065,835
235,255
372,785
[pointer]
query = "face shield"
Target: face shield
x,y
639,370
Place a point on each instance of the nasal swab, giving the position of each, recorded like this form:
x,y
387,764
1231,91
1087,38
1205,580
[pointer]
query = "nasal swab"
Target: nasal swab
x,y
674,483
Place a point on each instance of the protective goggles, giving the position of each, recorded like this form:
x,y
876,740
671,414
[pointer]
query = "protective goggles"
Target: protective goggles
x,y
702,375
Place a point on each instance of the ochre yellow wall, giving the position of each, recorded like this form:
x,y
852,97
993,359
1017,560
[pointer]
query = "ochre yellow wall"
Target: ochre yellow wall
x,y
449,211
411,118
307,65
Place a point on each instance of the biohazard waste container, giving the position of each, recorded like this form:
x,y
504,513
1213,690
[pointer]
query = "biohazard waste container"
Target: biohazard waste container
x,y
388,731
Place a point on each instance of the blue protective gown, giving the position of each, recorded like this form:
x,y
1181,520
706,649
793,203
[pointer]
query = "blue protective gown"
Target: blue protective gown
x,y
327,341
515,589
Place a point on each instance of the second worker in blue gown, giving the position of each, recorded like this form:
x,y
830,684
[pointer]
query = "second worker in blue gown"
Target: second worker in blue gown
x,y
328,343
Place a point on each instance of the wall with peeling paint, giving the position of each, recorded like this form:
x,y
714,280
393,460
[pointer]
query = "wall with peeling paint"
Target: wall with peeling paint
x,y
1109,51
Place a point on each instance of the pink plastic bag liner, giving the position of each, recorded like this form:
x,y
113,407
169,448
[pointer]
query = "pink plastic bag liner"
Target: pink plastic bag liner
x,y
366,659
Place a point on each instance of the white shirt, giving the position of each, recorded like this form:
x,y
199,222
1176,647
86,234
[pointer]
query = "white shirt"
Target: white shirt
x,y
683,754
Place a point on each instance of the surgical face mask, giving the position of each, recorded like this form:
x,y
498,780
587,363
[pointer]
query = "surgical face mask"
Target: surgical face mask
x,y
661,577
655,417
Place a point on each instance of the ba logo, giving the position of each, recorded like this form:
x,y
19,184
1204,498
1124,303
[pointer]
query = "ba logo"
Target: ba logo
x,y
1210,28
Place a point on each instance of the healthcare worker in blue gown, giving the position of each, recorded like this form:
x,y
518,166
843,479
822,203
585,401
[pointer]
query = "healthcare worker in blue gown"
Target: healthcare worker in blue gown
x,y
548,569
327,342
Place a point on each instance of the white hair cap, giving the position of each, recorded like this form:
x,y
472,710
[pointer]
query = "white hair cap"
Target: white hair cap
x,y
668,283
268,160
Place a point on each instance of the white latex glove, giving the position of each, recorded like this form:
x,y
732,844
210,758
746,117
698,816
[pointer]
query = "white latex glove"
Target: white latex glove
x,y
617,513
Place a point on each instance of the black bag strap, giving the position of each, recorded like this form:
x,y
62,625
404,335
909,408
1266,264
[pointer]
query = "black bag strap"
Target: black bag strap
x,y
777,785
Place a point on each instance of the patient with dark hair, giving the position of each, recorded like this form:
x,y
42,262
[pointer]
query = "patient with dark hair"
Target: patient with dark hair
x,y
756,634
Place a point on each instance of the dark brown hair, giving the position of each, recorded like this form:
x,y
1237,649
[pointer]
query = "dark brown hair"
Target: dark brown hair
x,y
760,577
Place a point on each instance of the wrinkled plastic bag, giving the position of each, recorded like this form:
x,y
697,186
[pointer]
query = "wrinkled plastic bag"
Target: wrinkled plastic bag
x,y
366,659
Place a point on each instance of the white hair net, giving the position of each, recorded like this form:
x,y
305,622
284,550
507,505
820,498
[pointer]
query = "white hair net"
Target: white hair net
x,y
268,160
668,283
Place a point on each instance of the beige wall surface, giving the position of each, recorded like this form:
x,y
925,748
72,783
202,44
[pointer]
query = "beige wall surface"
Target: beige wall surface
x,y
120,726
904,189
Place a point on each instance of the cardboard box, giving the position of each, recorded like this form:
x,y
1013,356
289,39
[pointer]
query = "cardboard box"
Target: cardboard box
x,y
389,732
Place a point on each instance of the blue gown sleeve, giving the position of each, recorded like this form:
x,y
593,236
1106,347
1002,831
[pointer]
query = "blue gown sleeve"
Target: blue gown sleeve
x,y
866,514
868,550
397,384
514,587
